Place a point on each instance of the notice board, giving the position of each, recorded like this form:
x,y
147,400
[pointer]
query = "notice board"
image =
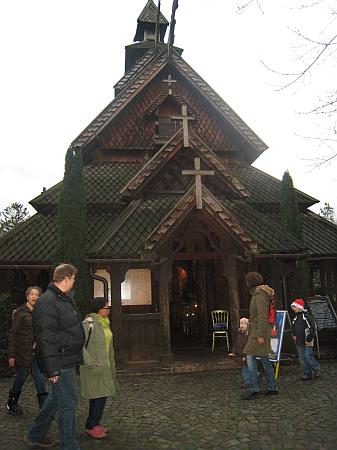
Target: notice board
x,y
323,312
276,341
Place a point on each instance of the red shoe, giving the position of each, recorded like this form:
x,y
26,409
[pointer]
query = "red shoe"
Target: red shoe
x,y
105,429
96,433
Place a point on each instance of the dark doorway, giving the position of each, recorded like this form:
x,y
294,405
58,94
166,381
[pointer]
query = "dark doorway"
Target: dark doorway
x,y
194,293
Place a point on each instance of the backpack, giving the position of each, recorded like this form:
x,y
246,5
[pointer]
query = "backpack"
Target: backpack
x,y
272,311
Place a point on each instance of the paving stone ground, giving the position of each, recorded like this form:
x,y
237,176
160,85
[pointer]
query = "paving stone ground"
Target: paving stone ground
x,y
201,411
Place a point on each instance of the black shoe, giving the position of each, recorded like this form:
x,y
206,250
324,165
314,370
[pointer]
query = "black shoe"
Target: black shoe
x,y
251,395
268,392
14,409
304,378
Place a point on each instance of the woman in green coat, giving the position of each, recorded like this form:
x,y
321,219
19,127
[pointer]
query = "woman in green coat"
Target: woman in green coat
x,y
98,374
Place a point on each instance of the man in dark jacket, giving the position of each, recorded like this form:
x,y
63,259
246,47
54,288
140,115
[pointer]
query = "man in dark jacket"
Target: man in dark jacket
x,y
303,329
59,348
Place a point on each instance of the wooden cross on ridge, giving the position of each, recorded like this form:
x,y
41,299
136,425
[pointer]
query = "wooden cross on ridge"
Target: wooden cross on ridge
x,y
169,81
185,118
198,173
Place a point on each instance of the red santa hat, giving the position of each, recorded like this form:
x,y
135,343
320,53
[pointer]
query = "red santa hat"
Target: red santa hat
x,y
298,303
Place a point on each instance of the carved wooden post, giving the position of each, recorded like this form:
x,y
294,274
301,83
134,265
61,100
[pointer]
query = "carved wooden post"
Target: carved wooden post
x,y
234,299
117,276
164,307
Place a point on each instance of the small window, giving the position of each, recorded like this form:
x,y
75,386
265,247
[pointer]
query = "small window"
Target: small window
x,y
98,285
136,288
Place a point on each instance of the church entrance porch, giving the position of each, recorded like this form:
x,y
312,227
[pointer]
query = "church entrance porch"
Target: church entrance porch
x,y
197,287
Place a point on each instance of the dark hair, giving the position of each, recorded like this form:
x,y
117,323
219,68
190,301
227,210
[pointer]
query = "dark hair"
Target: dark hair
x,y
62,271
97,303
30,288
253,279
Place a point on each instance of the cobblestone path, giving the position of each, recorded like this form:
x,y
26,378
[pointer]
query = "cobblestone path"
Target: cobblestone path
x,y
201,411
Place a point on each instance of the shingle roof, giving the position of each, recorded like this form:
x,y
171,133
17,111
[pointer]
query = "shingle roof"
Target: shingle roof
x,y
320,235
148,68
264,188
149,14
267,232
34,241
108,236
128,239
103,183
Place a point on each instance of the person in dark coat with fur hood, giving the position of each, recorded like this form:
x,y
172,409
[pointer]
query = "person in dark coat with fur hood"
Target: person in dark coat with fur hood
x,y
259,336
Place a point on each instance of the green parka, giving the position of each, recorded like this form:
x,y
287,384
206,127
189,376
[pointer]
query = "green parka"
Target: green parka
x,y
258,321
98,374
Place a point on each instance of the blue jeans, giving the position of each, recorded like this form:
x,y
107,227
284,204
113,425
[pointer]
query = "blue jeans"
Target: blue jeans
x,y
307,360
22,375
63,398
245,374
254,375
96,408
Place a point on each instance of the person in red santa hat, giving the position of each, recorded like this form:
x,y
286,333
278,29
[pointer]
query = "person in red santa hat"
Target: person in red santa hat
x,y
303,329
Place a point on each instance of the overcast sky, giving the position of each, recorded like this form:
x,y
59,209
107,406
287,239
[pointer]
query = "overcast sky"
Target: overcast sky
x,y
60,60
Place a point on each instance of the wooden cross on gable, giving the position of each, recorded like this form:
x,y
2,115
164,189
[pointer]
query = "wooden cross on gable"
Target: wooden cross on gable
x,y
198,174
185,118
169,81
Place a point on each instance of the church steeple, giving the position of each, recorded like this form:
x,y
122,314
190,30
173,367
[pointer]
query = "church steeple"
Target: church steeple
x,y
146,24
145,33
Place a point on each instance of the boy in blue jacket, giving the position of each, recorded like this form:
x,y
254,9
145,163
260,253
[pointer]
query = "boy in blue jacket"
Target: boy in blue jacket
x,y
303,329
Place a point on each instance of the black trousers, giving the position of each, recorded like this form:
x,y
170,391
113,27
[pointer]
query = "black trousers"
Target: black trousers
x,y
96,408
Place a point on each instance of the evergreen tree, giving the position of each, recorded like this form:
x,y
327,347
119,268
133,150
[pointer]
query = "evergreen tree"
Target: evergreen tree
x,y
289,212
11,216
327,212
298,280
72,223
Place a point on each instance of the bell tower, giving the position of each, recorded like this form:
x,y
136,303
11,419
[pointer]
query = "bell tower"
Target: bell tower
x,y
145,33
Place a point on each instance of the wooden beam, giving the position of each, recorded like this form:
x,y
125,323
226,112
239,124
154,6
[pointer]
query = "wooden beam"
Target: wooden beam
x,y
185,118
117,276
198,173
165,356
234,299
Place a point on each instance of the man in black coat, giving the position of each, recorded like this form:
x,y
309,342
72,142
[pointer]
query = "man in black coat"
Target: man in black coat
x,y
59,349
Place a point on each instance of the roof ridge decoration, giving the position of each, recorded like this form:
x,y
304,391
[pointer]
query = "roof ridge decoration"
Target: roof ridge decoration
x,y
158,160
211,205
119,102
99,244
151,168
163,96
219,103
140,65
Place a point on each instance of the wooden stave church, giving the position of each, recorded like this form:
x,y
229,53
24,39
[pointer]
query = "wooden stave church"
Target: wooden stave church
x,y
192,237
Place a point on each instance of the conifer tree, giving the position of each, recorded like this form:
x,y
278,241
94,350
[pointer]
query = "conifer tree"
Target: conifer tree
x,y
289,212
298,280
72,223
